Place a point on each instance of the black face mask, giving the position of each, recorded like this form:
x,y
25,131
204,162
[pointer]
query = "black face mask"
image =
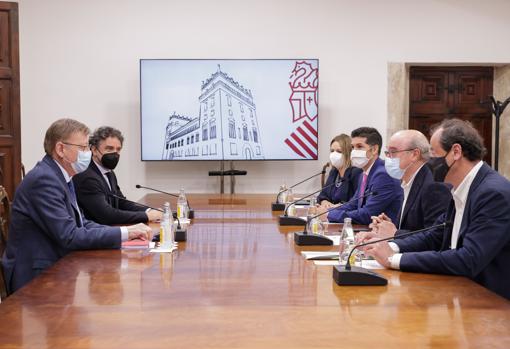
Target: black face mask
x,y
439,168
110,160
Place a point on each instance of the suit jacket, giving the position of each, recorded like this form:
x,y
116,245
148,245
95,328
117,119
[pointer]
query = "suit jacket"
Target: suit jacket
x,y
93,192
45,226
427,201
388,198
345,191
483,247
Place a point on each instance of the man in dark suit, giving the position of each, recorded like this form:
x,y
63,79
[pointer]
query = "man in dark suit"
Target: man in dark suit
x,y
46,222
477,244
366,144
95,185
424,199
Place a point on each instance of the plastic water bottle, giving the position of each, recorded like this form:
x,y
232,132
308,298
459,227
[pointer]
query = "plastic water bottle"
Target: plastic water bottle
x,y
182,205
315,226
347,243
282,198
166,236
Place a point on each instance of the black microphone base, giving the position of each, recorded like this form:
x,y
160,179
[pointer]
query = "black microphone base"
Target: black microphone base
x,y
288,220
191,214
305,239
276,206
180,235
357,277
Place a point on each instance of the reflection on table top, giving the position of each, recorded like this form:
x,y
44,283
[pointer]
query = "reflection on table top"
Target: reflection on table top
x,y
239,281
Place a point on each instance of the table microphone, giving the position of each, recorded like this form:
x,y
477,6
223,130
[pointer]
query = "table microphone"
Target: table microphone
x,y
180,232
305,239
277,206
285,219
191,214
358,276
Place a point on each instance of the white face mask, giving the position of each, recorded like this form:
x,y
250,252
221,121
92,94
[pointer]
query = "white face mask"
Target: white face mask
x,y
82,162
336,159
359,158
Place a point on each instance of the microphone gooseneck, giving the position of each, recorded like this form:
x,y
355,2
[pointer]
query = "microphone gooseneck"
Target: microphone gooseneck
x,y
298,183
444,224
304,197
136,203
367,194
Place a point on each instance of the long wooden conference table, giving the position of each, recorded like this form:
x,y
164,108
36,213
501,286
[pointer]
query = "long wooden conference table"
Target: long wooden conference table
x,y
240,282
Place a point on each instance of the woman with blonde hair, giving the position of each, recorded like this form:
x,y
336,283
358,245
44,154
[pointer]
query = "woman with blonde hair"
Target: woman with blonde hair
x,y
345,176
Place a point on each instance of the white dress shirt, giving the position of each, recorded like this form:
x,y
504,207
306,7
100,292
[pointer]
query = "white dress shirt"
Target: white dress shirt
x,y
459,195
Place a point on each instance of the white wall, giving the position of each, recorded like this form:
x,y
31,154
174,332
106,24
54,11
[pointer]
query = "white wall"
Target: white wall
x,y
80,59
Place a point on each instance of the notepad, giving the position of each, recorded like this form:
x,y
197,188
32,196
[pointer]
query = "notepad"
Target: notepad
x,y
137,244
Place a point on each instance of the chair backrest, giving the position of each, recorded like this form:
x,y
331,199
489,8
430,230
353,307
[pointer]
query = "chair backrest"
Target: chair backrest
x,y
5,213
323,176
3,286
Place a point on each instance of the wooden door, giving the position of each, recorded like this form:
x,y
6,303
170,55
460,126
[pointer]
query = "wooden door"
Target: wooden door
x,y
438,93
10,134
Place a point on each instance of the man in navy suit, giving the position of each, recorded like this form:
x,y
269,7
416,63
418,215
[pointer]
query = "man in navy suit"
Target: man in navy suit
x,y
424,199
46,222
387,198
95,185
477,244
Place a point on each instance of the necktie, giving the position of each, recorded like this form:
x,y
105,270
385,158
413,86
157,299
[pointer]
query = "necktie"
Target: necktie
x,y
362,190
109,175
70,184
72,191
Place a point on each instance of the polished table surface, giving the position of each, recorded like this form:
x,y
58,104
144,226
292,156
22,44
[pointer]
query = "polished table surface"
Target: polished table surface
x,y
240,282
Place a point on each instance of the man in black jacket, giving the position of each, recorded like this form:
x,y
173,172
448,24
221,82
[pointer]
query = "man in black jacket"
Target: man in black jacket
x,y
424,199
95,186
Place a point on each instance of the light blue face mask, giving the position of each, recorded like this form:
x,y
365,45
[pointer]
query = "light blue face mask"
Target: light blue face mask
x,y
392,166
82,162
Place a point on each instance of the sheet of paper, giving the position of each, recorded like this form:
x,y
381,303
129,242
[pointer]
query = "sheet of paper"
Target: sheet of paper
x,y
163,250
367,264
335,238
314,255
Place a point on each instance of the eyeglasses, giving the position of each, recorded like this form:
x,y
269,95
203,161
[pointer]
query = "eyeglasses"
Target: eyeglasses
x,y
391,153
80,147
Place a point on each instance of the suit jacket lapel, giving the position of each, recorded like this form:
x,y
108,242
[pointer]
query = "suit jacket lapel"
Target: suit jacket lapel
x,y
450,216
413,193
484,170
74,205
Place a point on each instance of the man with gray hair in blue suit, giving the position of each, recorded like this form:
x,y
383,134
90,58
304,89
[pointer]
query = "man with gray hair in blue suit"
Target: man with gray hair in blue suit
x,y
46,222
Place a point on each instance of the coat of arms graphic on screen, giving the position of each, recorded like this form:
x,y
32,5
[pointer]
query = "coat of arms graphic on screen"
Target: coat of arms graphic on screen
x,y
304,83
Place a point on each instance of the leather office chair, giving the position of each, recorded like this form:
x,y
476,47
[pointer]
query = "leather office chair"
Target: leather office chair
x,y
5,212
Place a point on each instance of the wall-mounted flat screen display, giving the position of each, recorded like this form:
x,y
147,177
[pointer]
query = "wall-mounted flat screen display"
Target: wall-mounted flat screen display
x,y
229,109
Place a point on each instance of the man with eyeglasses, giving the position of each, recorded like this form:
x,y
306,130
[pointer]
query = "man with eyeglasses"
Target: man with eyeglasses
x,y
377,192
424,199
475,241
96,186
46,222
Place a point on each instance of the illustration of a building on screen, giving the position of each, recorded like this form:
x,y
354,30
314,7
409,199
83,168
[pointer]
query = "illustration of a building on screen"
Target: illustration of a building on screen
x,y
229,109
226,124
